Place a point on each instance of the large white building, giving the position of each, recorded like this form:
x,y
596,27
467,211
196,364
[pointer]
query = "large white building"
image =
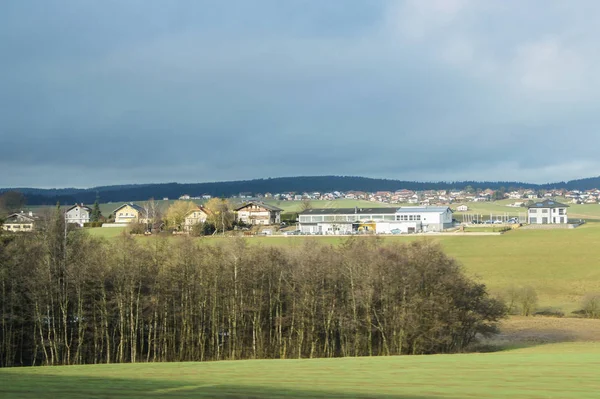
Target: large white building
x,y
378,220
547,212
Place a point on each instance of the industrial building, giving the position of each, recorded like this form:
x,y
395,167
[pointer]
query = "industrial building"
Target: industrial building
x,y
401,220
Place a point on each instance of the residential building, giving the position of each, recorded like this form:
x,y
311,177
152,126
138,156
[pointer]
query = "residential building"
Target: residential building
x,y
547,212
78,214
259,213
20,222
130,213
378,220
462,208
198,215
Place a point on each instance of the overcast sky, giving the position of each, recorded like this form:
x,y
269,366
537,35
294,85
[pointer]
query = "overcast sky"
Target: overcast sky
x,y
138,91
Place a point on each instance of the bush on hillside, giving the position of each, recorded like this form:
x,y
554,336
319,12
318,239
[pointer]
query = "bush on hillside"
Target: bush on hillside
x,y
591,306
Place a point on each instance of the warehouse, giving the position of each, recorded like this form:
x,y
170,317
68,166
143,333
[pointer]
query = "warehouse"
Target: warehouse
x,y
376,220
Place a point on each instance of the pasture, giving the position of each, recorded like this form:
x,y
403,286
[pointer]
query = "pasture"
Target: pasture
x,y
567,370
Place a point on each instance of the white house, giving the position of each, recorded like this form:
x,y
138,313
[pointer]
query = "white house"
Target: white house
x,y
547,212
378,220
78,214
462,208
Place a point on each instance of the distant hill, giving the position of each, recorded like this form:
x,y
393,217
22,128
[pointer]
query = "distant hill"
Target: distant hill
x,y
140,192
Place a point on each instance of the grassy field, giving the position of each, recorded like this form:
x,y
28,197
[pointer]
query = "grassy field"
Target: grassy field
x,y
568,370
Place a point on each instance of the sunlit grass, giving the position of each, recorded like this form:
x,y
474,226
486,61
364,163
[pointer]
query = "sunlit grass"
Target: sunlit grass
x,y
555,371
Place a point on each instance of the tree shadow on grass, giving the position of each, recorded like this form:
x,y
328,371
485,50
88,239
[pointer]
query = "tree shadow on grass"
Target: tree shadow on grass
x,y
32,385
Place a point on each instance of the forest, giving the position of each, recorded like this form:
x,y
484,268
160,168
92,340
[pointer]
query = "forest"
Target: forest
x,y
69,298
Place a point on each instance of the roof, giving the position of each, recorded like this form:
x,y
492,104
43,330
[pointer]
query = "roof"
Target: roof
x,y
266,206
378,211
547,204
23,215
198,208
76,205
134,206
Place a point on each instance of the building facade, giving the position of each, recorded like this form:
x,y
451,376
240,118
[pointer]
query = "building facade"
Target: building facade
x,y
19,222
258,213
402,220
78,214
198,215
130,213
547,212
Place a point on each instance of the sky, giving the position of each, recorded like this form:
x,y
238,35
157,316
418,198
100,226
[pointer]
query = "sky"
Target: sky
x,y
147,91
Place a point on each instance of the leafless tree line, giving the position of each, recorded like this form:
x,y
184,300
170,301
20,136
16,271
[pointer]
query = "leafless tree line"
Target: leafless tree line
x,y
74,299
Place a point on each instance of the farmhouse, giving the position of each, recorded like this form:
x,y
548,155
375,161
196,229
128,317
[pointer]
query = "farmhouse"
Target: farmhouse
x,y
377,220
547,212
259,213
198,215
78,214
20,222
130,213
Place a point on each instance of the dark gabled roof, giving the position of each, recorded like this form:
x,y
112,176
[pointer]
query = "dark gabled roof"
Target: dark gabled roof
x,y
134,206
547,204
24,215
266,206
76,205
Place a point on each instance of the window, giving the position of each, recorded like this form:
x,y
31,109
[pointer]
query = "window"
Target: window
x,y
544,210
532,210
561,211
532,220
544,220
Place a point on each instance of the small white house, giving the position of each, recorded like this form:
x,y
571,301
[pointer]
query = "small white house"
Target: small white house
x,y
547,212
78,214
462,208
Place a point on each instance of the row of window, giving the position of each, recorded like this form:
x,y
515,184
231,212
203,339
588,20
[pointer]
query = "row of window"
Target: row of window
x,y
356,218
561,211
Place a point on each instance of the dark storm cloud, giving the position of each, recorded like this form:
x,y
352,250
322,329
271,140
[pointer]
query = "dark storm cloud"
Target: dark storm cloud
x,y
148,91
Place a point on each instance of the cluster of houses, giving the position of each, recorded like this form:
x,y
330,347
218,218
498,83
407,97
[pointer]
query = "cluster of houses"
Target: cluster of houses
x,y
251,213
426,197
378,220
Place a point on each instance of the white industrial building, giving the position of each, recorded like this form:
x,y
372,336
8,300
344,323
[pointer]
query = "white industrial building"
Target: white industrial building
x,y
378,220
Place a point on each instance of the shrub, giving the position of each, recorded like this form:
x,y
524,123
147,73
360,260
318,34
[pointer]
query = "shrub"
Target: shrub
x,y
591,306
137,228
521,300
93,224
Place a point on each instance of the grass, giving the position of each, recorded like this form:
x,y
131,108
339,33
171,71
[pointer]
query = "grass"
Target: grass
x,y
549,371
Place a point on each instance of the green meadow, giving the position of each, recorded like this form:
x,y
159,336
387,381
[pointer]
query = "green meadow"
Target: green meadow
x,y
567,370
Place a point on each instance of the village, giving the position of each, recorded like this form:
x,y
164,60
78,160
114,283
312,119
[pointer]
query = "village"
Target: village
x,y
382,212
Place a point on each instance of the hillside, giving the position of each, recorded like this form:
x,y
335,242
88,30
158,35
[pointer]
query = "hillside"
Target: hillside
x,y
273,185
567,370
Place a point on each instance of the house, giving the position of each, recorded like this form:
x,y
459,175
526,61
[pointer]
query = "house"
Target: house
x,y
195,216
547,212
462,208
130,213
378,220
78,214
20,222
258,213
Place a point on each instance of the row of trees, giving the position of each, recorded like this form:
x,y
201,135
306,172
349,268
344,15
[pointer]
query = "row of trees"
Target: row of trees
x,y
68,298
